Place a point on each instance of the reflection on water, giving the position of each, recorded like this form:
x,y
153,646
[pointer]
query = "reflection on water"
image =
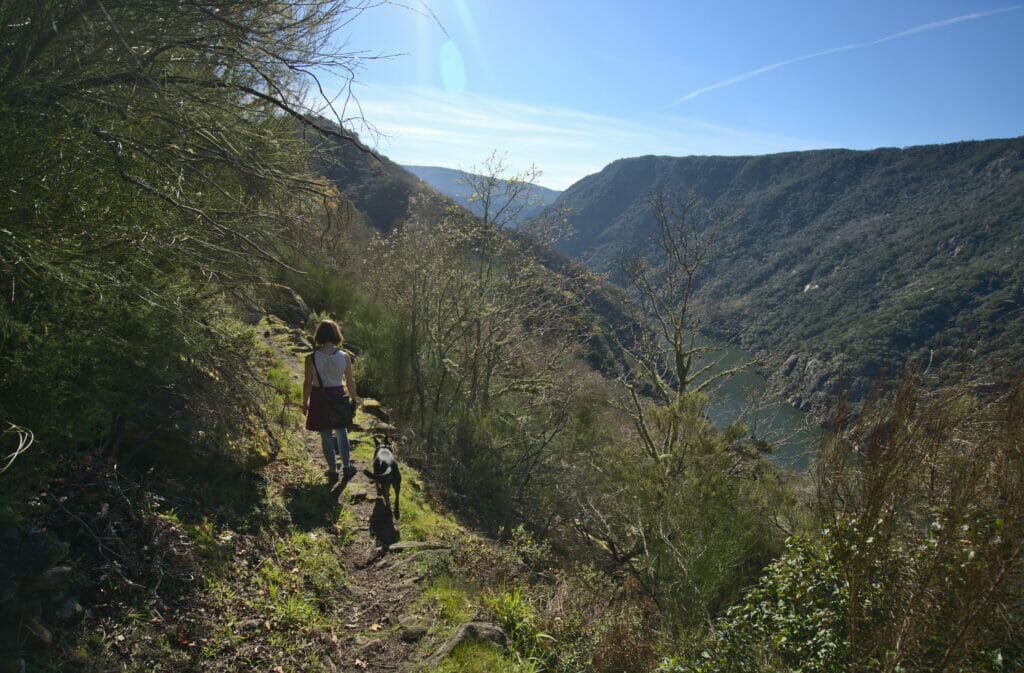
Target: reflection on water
x,y
744,394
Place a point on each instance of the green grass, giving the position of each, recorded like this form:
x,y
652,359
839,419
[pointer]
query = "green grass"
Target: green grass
x,y
479,658
450,601
268,545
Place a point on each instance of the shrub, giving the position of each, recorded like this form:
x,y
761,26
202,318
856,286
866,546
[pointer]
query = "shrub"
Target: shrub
x,y
922,561
930,477
794,618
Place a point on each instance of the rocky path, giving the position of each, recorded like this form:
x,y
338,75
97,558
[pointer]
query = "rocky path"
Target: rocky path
x,y
381,632
384,582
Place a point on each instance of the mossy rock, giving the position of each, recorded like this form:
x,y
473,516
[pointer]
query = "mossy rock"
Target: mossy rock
x,y
373,407
283,302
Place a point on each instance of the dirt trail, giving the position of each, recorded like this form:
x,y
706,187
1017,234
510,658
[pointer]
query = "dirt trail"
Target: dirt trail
x,y
380,566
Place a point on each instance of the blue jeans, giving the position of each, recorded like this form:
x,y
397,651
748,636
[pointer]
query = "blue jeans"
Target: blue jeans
x,y
335,440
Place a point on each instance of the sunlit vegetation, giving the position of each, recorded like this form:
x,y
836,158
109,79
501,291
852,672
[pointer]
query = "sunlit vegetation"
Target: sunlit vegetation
x,y
171,226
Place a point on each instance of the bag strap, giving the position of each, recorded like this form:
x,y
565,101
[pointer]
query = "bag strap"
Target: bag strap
x,y
315,369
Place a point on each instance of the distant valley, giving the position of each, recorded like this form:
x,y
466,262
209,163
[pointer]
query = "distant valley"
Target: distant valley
x,y
840,263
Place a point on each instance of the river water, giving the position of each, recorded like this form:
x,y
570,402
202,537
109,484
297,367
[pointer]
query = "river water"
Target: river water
x,y
795,437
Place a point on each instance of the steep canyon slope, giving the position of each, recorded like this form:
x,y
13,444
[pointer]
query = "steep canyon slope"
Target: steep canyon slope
x,y
839,263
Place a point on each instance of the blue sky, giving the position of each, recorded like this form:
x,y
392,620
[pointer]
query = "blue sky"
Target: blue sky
x,y
572,85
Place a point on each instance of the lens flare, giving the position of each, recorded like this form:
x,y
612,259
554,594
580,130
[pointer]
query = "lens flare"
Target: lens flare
x,y
453,70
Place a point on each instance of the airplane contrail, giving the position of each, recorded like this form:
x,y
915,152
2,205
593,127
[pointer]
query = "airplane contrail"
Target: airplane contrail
x,y
856,45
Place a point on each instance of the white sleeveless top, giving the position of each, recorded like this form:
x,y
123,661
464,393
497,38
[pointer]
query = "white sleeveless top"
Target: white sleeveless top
x,y
331,368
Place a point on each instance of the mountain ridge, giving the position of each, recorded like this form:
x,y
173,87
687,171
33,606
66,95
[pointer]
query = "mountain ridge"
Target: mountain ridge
x,y
847,259
450,182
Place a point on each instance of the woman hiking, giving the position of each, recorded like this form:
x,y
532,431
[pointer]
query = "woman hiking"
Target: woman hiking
x,y
328,372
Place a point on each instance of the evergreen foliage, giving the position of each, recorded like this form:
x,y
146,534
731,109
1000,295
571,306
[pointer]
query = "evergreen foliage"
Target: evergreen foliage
x,y
920,562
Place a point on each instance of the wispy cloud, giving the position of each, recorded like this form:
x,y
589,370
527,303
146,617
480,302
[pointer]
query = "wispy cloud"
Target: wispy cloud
x,y
432,127
848,47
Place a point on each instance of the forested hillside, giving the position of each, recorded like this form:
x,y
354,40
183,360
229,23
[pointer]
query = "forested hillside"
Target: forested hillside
x,y
378,189
837,262
176,221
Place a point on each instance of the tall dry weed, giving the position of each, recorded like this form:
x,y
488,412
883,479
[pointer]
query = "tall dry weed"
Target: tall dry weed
x,y
924,490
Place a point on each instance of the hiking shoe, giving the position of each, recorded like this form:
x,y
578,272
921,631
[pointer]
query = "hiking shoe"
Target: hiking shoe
x,y
350,471
332,477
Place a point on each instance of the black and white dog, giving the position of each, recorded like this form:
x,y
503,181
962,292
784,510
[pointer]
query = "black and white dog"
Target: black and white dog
x,y
385,472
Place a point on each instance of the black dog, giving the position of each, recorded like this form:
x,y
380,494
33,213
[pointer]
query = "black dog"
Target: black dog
x,y
385,473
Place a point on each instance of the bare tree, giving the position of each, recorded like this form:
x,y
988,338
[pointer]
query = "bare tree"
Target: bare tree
x,y
690,510
666,358
490,335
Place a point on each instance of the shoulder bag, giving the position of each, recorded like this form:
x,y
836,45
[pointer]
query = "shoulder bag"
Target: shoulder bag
x,y
338,410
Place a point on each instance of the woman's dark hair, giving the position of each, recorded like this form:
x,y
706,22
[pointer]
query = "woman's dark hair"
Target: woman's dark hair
x,y
327,332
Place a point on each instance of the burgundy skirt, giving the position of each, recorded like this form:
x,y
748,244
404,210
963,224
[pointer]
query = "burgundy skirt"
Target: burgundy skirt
x,y
314,420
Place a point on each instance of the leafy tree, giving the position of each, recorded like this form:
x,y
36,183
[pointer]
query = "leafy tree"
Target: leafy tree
x,y
153,160
793,619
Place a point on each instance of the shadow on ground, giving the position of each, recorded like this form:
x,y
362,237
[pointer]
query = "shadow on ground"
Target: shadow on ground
x,y
313,505
382,525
